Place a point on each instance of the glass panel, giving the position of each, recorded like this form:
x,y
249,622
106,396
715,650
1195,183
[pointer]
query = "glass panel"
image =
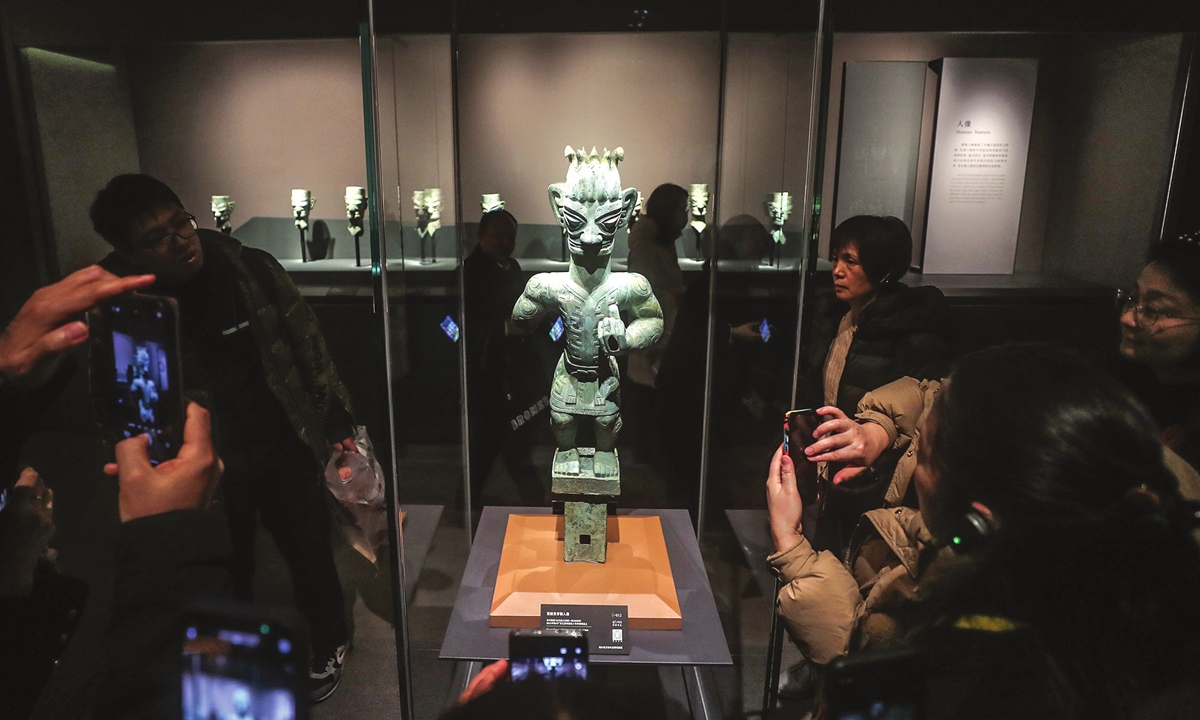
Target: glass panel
x,y
419,259
249,110
762,258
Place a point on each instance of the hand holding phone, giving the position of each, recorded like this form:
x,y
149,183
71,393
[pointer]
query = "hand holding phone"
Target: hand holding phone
x,y
852,446
799,427
240,662
487,678
137,377
186,482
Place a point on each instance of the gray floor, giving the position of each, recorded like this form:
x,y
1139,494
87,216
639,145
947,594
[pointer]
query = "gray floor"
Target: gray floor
x,y
85,514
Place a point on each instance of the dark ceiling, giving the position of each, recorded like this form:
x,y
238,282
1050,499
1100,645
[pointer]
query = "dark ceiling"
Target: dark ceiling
x,y
113,22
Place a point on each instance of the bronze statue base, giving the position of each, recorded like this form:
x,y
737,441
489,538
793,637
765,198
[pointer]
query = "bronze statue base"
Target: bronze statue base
x,y
585,536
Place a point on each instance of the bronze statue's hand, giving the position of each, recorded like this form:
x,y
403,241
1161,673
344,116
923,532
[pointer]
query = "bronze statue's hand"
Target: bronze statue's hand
x,y
611,332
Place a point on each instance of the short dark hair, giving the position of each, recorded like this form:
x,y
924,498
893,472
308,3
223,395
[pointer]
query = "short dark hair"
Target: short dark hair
x,y
492,216
884,245
125,200
1180,258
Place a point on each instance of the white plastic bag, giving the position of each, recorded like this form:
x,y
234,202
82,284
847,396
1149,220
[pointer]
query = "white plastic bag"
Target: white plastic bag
x,y
356,480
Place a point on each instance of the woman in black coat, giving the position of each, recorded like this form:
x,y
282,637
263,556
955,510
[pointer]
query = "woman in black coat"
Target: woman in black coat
x,y
874,330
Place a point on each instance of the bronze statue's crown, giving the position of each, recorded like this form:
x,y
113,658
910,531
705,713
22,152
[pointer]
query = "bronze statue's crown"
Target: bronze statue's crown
x,y
593,176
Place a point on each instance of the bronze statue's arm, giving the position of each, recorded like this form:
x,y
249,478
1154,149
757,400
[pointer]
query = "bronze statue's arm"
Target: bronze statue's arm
x,y
533,305
647,325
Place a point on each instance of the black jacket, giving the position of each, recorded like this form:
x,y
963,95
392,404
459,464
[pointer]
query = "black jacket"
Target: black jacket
x,y
904,332
164,563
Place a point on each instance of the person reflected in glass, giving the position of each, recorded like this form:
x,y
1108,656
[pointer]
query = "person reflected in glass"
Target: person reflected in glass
x,y
1160,342
652,254
748,373
873,329
501,372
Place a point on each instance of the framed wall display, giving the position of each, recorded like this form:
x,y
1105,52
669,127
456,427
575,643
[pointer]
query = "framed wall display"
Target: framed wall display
x,y
977,182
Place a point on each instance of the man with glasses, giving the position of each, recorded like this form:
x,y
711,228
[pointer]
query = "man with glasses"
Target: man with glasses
x,y
1160,337
253,352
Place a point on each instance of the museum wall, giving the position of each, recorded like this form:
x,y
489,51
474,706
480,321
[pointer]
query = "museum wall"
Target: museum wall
x,y
252,120
1113,157
1102,128
84,131
768,87
1047,49
522,98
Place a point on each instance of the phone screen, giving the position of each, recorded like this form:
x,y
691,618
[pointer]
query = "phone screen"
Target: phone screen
x,y
450,328
233,670
764,330
547,655
140,381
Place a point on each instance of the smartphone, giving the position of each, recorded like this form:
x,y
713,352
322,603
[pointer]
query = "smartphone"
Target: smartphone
x,y
798,428
450,328
239,662
547,654
764,330
136,372
877,685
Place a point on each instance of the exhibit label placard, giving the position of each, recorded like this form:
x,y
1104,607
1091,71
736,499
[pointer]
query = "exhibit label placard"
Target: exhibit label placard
x,y
977,182
606,625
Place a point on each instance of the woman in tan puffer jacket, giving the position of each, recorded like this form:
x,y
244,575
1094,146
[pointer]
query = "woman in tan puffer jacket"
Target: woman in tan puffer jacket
x,y
1053,540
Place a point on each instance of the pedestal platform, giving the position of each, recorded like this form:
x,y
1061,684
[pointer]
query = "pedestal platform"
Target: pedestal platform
x,y
701,641
637,574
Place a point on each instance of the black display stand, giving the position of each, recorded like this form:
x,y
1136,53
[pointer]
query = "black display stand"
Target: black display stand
x,y
752,530
753,533
420,524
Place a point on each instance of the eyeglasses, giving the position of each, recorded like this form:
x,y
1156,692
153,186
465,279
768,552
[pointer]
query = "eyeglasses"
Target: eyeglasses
x,y
1145,316
186,230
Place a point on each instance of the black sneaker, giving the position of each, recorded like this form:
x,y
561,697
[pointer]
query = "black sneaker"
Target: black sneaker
x,y
326,674
798,682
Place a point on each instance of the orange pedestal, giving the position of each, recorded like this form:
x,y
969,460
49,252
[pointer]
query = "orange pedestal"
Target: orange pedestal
x,y
532,573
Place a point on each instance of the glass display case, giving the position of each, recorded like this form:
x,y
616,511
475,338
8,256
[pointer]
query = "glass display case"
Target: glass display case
x,y
482,106
1033,165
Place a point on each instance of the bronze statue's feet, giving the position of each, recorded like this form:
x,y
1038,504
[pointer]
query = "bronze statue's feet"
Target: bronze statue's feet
x,y
606,464
566,462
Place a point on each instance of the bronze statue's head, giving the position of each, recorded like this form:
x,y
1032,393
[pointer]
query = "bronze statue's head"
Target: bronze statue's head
x,y
590,205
